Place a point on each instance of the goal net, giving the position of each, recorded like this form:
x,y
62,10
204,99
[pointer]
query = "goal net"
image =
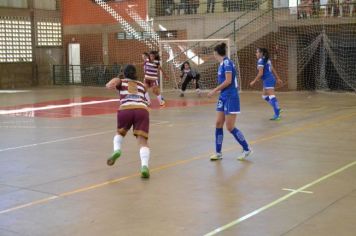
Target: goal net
x,y
311,47
200,55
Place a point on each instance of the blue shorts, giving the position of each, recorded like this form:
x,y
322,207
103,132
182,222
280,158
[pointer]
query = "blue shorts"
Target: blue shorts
x,y
269,83
228,105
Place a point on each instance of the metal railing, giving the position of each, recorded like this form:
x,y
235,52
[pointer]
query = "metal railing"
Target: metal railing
x,y
85,75
191,7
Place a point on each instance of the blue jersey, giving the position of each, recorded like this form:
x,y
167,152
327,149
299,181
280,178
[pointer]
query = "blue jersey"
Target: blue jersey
x,y
228,66
267,68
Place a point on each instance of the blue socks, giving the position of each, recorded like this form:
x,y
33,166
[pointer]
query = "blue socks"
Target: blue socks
x,y
219,136
272,100
240,138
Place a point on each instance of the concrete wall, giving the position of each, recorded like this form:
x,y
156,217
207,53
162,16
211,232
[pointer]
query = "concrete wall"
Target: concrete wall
x,y
16,75
45,5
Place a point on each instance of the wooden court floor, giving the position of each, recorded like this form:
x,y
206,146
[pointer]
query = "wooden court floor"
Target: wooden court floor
x,y
301,179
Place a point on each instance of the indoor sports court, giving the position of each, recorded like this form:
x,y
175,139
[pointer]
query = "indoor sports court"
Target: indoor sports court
x,y
58,121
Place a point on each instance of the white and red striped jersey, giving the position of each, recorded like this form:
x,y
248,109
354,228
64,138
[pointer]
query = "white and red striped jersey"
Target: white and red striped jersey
x,y
151,70
132,94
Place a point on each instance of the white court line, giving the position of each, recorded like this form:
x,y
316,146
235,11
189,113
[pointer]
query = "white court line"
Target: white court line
x,y
70,138
55,141
279,200
49,107
14,91
293,190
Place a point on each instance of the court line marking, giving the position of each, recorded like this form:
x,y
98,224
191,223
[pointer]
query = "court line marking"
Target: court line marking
x,y
55,141
279,200
68,139
49,107
293,190
181,162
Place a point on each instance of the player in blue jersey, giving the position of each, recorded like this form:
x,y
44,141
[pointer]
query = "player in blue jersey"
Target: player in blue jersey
x,y
269,76
228,105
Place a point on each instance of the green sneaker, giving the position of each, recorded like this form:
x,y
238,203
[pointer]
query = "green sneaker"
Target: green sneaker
x,y
145,172
276,118
113,158
216,157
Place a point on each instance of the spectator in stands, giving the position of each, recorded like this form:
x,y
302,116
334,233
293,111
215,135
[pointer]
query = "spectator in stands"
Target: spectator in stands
x,y
306,9
225,5
194,6
168,6
210,6
352,7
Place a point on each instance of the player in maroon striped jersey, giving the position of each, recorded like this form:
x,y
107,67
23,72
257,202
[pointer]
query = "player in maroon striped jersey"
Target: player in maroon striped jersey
x,y
133,112
151,69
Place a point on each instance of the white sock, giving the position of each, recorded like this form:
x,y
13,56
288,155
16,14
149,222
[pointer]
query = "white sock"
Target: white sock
x,y
117,142
159,97
145,156
147,96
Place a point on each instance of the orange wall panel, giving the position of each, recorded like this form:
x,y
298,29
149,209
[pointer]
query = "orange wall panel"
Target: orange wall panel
x,y
76,12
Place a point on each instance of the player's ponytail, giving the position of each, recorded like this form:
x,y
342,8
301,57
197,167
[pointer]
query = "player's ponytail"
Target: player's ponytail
x,y
220,49
130,72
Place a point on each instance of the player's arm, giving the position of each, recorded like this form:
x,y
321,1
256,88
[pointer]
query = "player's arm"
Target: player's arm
x,y
226,83
113,83
258,76
279,81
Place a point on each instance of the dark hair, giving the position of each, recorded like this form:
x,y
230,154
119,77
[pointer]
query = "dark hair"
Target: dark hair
x,y
156,54
130,72
182,66
220,49
146,54
265,53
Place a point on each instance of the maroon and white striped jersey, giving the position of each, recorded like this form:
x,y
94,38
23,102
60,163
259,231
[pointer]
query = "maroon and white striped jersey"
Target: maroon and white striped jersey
x,y
151,70
132,94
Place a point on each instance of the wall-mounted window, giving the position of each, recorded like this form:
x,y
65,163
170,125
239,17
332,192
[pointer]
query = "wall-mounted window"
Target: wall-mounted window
x,y
15,40
14,3
49,34
170,34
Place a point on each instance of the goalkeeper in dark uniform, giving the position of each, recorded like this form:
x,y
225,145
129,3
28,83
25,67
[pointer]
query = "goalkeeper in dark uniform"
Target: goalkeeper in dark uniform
x,y
189,74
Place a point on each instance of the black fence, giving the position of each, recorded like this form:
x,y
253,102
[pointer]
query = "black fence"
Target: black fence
x,y
85,75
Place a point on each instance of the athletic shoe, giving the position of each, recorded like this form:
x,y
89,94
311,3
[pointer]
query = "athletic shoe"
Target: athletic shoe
x,y
244,155
145,172
216,157
113,158
162,103
276,118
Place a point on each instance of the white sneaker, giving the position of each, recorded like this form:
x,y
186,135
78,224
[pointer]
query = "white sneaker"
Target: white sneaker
x,y
244,155
162,103
216,156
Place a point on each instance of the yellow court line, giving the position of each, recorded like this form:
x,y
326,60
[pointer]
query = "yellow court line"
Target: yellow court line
x,y
279,200
173,164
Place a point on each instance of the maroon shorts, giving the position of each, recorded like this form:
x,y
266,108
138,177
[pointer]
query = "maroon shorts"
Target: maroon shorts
x,y
151,83
138,118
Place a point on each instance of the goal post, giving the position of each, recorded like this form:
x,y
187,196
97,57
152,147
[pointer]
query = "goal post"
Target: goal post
x,y
200,55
